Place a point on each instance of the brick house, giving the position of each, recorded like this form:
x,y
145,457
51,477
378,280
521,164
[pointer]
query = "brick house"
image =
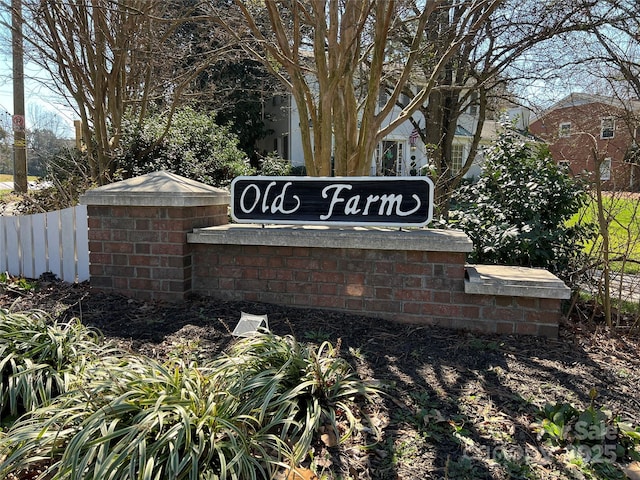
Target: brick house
x,y
585,130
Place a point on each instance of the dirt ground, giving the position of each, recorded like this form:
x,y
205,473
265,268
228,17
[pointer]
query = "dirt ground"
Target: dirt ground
x,y
455,399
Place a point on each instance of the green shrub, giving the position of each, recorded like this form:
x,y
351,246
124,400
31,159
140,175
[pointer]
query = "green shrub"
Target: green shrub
x,y
142,419
272,165
296,387
593,434
193,146
518,211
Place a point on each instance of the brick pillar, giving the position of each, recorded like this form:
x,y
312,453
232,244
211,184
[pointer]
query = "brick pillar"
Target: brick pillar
x,y
138,233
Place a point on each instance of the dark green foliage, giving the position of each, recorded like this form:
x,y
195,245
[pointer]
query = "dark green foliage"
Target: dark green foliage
x,y
193,146
40,359
245,83
272,165
593,434
518,211
44,146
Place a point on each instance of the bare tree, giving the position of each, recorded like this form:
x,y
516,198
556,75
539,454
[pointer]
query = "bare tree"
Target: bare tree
x,y
614,49
479,77
611,54
335,57
113,58
40,118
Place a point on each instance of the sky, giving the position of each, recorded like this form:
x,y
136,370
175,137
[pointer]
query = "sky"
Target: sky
x,y
37,95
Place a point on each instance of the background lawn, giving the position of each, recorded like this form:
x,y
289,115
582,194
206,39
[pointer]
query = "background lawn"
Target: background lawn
x,y
8,177
624,230
6,195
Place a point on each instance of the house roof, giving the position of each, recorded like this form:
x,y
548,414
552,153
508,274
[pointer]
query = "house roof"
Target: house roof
x,y
462,132
491,131
577,99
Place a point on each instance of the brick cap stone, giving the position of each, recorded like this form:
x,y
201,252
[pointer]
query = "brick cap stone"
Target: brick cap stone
x,y
514,282
157,189
375,238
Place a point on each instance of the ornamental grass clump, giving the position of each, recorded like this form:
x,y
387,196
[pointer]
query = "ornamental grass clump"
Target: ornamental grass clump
x,y
243,416
294,389
140,419
40,359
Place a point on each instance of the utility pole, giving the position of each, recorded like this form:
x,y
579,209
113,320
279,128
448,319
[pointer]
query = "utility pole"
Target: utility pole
x,y
19,138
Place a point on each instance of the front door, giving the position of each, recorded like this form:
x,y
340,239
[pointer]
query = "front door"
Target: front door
x,y
389,158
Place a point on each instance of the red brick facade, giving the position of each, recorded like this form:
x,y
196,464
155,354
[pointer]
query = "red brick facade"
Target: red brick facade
x,y
580,132
404,286
144,249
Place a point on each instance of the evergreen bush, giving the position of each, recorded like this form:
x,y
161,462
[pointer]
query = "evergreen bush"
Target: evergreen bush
x,y
518,211
193,146
123,416
273,165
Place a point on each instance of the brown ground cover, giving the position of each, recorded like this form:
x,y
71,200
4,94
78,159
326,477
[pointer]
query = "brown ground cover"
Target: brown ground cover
x,y
459,405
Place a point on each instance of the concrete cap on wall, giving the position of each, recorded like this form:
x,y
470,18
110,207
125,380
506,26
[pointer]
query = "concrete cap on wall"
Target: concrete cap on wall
x,y
379,238
514,282
157,189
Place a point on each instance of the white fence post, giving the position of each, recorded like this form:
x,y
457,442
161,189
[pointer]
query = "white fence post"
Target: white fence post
x,y
56,242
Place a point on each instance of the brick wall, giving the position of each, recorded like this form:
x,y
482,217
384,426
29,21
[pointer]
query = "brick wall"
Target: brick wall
x,y
144,249
584,139
142,243
404,286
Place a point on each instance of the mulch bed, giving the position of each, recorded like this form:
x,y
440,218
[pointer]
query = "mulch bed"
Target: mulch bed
x,y
443,384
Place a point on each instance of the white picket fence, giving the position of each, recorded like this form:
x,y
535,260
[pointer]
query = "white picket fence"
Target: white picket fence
x,y
56,242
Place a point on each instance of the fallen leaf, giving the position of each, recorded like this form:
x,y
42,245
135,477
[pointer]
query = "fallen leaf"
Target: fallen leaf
x,y
298,473
328,437
632,471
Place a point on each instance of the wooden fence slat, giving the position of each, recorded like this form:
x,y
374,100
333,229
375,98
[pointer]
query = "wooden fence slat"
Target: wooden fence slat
x,y
39,232
68,245
25,237
56,242
3,247
53,243
12,226
82,239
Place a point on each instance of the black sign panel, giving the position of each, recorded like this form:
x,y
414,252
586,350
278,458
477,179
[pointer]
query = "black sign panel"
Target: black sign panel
x,y
380,201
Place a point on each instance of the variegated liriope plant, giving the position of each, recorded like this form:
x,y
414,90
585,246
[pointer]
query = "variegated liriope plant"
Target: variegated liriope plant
x,y
242,416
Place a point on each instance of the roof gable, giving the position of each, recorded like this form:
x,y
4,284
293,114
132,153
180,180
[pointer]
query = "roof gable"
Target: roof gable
x,y
580,99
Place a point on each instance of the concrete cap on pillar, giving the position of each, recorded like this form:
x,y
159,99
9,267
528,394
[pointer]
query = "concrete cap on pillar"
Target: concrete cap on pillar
x,y
157,189
514,282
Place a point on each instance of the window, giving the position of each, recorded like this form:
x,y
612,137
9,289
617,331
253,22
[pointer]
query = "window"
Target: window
x,y
607,127
457,152
285,147
565,129
473,107
605,169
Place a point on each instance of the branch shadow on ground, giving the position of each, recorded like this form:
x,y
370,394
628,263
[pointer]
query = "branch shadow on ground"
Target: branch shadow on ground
x,y
458,405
